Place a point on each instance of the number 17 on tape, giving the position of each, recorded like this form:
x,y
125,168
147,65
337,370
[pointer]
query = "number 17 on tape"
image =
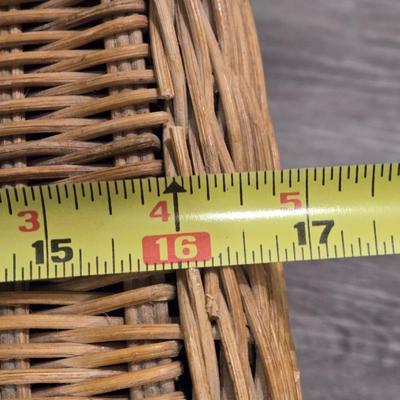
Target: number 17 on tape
x,y
174,248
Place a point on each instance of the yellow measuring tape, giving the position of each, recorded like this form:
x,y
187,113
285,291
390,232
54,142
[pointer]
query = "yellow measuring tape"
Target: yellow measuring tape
x,y
161,224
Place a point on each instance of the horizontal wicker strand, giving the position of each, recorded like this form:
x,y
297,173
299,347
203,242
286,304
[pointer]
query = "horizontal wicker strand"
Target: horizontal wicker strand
x,y
85,15
60,375
101,151
130,379
88,84
151,351
44,350
71,41
99,57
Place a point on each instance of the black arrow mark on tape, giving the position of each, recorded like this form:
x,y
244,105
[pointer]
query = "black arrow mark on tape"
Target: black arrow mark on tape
x,y
174,188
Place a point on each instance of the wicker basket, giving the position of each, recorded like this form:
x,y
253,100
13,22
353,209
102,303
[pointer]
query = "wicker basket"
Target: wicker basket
x,y
110,89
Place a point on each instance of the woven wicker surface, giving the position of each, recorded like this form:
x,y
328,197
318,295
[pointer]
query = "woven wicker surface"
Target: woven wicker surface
x,y
93,90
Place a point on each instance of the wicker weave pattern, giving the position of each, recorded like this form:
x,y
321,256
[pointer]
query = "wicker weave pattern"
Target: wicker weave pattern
x,y
88,91
85,116
74,74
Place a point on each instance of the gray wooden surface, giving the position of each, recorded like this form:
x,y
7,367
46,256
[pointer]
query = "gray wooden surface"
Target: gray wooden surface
x,y
333,70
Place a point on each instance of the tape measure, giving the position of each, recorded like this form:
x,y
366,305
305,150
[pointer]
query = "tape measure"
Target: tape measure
x,y
158,224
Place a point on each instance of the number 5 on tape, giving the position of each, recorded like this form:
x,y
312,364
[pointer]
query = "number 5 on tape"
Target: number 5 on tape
x,y
174,248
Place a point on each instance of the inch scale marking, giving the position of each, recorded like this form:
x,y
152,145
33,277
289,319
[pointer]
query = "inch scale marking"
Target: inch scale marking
x,y
159,224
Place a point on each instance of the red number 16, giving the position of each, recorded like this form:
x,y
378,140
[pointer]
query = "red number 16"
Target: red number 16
x,y
177,247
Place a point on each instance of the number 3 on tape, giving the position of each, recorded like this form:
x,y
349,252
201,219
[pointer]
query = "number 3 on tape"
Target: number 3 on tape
x,y
174,248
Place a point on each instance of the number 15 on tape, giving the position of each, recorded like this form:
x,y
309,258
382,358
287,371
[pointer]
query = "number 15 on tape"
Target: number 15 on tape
x,y
175,248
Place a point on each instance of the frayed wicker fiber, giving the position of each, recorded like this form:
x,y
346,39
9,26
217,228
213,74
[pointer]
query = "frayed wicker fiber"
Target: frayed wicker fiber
x,y
109,89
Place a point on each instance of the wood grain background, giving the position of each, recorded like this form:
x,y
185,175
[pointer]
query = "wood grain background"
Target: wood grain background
x,y
333,70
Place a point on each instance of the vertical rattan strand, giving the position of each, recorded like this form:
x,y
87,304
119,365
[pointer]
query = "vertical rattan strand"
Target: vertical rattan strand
x,y
199,343
255,79
196,378
147,313
282,379
248,68
242,52
227,275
